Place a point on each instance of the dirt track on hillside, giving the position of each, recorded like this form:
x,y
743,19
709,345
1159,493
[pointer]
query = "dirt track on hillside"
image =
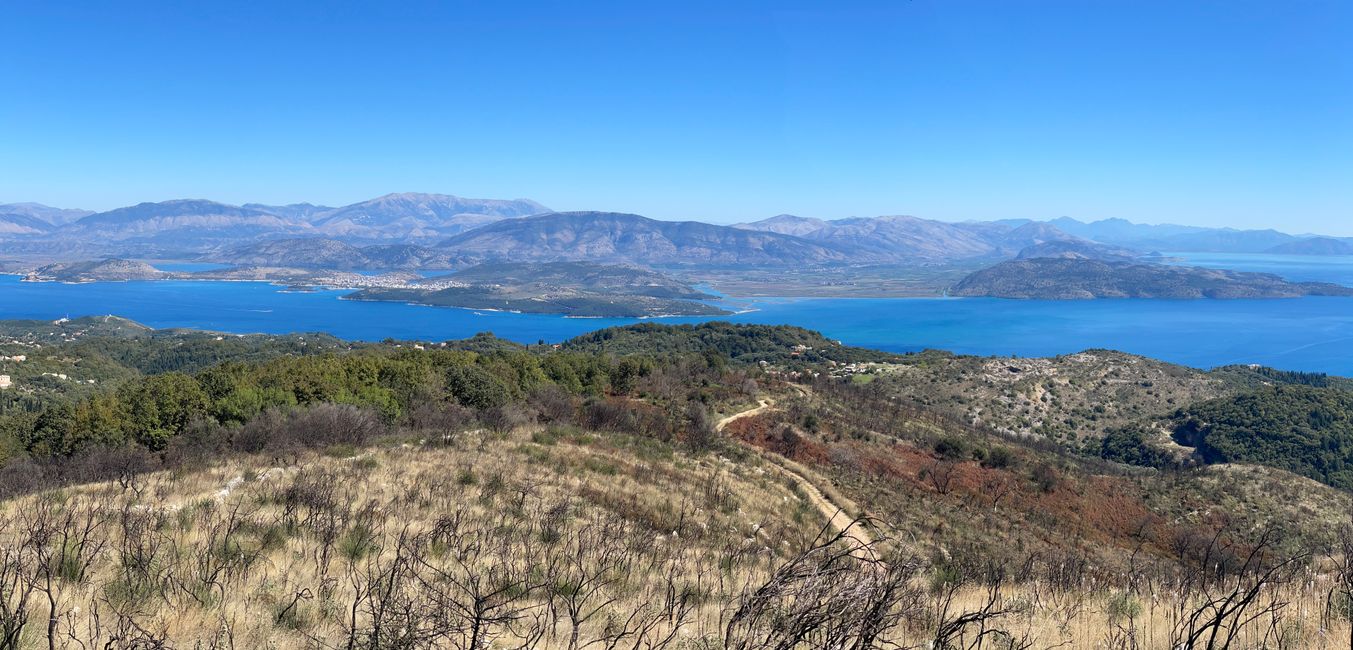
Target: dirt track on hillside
x,y
838,517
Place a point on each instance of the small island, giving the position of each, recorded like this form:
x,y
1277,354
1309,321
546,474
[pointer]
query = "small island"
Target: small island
x,y
1081,279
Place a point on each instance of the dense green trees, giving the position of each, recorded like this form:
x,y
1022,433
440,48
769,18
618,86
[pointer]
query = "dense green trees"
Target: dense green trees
x,y
745,343
1128,444
392,381
1303,429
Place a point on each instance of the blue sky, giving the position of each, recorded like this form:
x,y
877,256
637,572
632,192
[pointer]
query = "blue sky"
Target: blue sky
x,y
1226,112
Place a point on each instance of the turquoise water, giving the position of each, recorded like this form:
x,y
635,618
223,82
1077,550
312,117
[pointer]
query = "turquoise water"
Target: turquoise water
x,y
1313,334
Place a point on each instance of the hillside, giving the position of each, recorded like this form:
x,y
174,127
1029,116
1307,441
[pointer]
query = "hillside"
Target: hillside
x,y
1079,279
671,486
629,238
301,251
35,332
176,225
44,213
1070,399
323,253
105,270
1077,249
21,224
1304,429
292,211
786,224
904,239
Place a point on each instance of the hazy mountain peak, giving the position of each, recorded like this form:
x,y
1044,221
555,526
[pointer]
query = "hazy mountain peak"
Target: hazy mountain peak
x,y
420,216
170,208
785,224
46,213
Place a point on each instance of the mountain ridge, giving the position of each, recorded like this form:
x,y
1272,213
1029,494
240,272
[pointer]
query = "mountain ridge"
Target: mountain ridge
x,y
621,237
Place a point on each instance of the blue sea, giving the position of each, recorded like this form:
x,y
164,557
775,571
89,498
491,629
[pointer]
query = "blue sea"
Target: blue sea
x,y
1313,334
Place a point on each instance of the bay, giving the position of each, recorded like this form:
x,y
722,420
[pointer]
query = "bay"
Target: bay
x,y
1312,334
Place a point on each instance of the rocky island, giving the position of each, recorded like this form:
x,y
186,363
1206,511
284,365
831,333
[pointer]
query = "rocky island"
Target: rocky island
x,y
1080,279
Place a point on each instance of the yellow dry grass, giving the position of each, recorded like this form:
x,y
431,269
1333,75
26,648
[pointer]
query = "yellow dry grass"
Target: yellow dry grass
x,y
641,521
565,531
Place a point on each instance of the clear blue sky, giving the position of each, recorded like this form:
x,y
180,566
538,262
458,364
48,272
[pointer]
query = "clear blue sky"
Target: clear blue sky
x,y
1223,112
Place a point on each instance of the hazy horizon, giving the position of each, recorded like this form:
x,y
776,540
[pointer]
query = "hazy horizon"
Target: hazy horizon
x,y
747,219
1206,114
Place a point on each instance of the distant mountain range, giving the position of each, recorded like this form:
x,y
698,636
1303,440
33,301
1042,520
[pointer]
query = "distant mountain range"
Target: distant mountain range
x,y
437,231
1194,239
615,237
199,226
419,217
901,239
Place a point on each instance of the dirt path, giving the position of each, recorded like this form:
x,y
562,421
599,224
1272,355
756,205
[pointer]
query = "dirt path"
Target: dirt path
x,y
762,406
838,517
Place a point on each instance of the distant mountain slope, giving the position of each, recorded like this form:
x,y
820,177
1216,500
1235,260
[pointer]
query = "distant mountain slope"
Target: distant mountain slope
x,y
1175,237
616,237
1076,279
318,252
785,224
22,224
1077,249
46,213
420,216
904,239
408,256
1171,237
293,211
185,227
301,251
907,238
1121,231
1029,234
1225,241
143,213
180,223
1315,246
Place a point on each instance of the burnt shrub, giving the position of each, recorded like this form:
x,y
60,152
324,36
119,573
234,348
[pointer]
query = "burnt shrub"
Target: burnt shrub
x,y
324,425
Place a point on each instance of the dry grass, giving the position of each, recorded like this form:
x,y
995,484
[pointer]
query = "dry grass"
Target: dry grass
x,y
248,555
552,539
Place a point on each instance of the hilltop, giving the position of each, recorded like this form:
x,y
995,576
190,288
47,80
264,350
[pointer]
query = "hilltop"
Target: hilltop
x,y
106,270
674,486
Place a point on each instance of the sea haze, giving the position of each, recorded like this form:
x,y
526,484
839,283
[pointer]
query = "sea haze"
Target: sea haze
x,y
1313,334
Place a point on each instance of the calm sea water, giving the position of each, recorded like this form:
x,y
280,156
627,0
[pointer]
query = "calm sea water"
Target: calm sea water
x,y
1300,334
